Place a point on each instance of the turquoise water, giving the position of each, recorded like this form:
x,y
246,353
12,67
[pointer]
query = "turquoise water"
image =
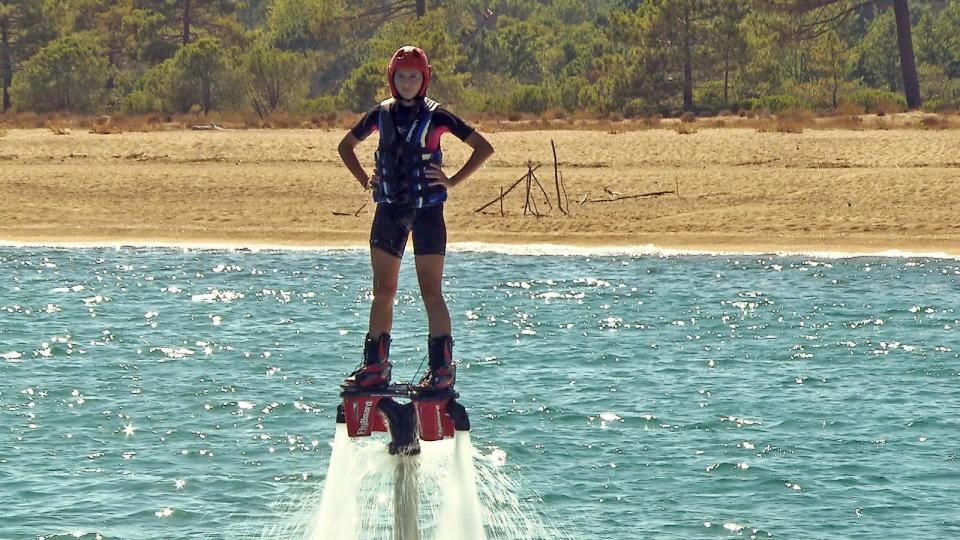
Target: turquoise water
x,y
161,393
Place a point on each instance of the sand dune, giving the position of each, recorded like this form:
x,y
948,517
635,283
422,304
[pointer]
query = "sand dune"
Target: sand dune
x,y
822,190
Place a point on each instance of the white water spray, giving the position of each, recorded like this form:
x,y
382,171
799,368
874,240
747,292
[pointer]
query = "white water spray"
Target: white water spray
x,y
459,492
450,490
337,515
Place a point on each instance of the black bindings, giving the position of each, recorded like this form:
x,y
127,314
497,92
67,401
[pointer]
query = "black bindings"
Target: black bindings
x,y
441,371
374,373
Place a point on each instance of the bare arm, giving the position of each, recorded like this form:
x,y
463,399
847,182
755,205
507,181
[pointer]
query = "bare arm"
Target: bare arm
x,y
482,150
349,157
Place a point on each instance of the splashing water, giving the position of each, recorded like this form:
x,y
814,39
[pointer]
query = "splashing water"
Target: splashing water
x,y
450,490
335,516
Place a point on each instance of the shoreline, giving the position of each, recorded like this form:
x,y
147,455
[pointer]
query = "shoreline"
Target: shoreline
x,y
668,245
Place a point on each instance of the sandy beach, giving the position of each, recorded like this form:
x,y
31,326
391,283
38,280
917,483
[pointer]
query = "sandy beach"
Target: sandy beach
x,y
720,189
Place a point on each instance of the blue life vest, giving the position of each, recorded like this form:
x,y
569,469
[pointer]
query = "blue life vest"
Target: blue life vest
x,y
403,161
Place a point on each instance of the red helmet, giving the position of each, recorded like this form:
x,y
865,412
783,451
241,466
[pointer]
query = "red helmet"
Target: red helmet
x,y
409,57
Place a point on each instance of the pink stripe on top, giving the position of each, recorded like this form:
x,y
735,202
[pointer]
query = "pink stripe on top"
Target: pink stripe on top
x,y
433,137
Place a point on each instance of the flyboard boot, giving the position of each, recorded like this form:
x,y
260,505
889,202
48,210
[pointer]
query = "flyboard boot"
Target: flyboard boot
x,y
367,399
374,373
437,409
441,371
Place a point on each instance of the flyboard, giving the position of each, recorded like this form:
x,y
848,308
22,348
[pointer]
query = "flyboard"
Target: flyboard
x,y
425,416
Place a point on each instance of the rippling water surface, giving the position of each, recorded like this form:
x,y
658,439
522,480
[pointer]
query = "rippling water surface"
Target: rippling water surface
x,y
161,393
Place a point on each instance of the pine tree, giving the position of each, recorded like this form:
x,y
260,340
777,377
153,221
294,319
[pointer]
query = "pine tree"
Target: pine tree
x,y
25,27
186,20
828,14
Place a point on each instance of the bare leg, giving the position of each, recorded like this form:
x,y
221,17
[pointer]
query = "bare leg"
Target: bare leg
x,y
386,269
430,277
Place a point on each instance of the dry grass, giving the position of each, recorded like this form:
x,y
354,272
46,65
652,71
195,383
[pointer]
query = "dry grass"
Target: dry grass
x,y
846,118
685,128
102,126
935,122
578,121
557,114
787,122
794,122
848,108
885,107
853,122
765,124
57,128
728,121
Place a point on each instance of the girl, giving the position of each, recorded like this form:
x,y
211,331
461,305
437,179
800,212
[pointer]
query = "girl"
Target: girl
x,y
409,186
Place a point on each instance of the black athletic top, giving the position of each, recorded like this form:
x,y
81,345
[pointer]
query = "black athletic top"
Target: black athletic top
x,y
443,121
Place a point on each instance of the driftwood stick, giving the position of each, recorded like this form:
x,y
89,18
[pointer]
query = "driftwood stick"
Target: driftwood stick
x,y
556,177
526,203
624,197
545,196
347,214
502,195
565,198
532,202
534,209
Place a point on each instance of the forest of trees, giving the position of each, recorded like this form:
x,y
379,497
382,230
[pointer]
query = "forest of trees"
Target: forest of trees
x,y
606,57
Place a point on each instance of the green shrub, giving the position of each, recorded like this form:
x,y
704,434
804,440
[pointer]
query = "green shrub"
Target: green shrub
x,y
708,97
941,93
278,79
776,103
142,102
202,76
496,104
69,74
207,74
941,105
365,87
569,92
155,91
530,98
873,100
638,107
472,100
322,105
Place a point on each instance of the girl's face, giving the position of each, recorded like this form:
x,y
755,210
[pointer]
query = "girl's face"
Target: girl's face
x,y
408,82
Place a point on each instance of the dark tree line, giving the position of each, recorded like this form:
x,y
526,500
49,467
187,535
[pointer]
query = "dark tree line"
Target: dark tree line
x,y
628,57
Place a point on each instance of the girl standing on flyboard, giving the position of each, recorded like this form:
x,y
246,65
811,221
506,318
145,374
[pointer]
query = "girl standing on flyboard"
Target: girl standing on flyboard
x,y
409,187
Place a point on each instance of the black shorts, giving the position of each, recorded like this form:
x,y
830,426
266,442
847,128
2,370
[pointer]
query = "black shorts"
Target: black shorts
x,y
393,223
